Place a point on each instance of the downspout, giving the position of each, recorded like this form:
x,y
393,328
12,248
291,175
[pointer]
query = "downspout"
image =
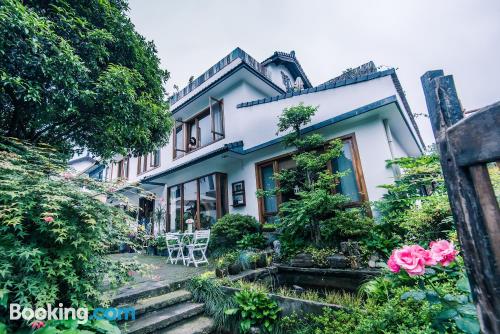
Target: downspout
x,y
395,168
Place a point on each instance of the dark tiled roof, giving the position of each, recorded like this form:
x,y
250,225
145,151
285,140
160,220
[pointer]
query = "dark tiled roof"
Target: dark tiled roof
x,y
352,73
235,54
319,88
290,58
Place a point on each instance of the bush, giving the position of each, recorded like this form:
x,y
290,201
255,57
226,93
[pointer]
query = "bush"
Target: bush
x,y
256,310
252,241
54,236
231,228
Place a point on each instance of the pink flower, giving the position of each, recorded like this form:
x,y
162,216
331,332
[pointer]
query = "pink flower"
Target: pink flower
x,y
425,254
131,273
391,263
37,324
443,251
48,219
411,259
67,175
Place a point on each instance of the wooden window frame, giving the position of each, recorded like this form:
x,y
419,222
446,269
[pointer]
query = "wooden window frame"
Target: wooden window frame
x,y
186,126
360,180
220,207
123,169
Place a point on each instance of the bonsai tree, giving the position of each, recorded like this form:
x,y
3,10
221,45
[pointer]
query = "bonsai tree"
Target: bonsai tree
x,y
315,214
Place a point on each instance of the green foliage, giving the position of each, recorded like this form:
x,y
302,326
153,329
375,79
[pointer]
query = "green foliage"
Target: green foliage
x,y
252,241
231,228
55,237
315,215
256,310
227,259
319,256
72,326
78,74
415,208
206,289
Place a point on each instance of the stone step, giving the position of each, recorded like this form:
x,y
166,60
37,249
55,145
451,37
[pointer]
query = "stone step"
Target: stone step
x,y
154,321
197,325
150,304
131,294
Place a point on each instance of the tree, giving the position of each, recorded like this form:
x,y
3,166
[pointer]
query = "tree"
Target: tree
x,y
77,74
315,214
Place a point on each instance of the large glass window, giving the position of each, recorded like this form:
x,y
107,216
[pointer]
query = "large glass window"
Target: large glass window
x,y
203,199
208,201
202,130
352,184
345,163
175,208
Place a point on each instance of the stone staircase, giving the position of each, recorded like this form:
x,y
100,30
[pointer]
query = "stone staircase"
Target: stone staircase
x,y
162,308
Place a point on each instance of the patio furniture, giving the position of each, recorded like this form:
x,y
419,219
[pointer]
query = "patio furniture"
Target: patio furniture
x,y
199,244
174,244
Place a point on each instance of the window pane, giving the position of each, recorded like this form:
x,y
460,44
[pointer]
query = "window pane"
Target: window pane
x,y
270,203
348,185
208,201
223,193
175,208
217,119
179,141
205,126
155,160
193,136
190,199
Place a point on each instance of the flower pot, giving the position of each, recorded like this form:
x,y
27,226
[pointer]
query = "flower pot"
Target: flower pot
x,y
151,250
262,261
163,252
221,272
253,265
234,269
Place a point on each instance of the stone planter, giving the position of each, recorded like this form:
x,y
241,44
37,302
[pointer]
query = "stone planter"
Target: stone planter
x,y
338,261
151,250
234,269
302,260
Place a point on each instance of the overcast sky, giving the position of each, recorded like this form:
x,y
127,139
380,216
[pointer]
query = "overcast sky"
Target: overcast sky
x,y
460,36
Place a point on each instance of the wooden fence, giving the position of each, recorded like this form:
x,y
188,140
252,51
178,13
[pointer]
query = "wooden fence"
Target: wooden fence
x,y
466,145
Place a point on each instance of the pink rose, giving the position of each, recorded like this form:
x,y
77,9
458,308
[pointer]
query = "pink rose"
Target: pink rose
x,y
48,219
37,324
425,254
443,251
391,263
411,259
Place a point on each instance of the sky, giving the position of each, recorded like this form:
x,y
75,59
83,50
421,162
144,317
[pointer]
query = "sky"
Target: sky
x,y
462,37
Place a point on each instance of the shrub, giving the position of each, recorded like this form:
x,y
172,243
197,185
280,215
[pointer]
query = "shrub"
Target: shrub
x,y
256,310
206,289
252,241
231,228
55,237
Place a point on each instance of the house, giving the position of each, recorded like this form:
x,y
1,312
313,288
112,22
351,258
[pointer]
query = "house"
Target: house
x,y
224,146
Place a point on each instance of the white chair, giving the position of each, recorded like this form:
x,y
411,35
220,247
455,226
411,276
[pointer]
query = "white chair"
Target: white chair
x,y
175,245
199,244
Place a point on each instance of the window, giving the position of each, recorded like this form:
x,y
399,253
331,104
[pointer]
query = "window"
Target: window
x,y
122,169
201,130
351,184
203,199
148,161
155,158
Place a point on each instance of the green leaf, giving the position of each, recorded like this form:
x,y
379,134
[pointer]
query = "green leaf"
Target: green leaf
x,y
415,294
447,314
231,311
3,328
467,309
463,284
467,324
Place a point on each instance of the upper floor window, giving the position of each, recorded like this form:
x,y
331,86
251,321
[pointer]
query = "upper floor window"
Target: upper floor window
x,y
201,130
122,172
148,161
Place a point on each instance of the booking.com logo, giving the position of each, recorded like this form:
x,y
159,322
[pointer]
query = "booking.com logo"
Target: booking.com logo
x,y
70,313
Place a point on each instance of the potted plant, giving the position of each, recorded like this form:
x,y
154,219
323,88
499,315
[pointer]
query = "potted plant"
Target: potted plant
x,y
221,267
261,260
151,249
161,245
253,258
234,266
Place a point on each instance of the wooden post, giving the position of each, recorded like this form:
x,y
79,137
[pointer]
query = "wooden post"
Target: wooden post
x,y
468,186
